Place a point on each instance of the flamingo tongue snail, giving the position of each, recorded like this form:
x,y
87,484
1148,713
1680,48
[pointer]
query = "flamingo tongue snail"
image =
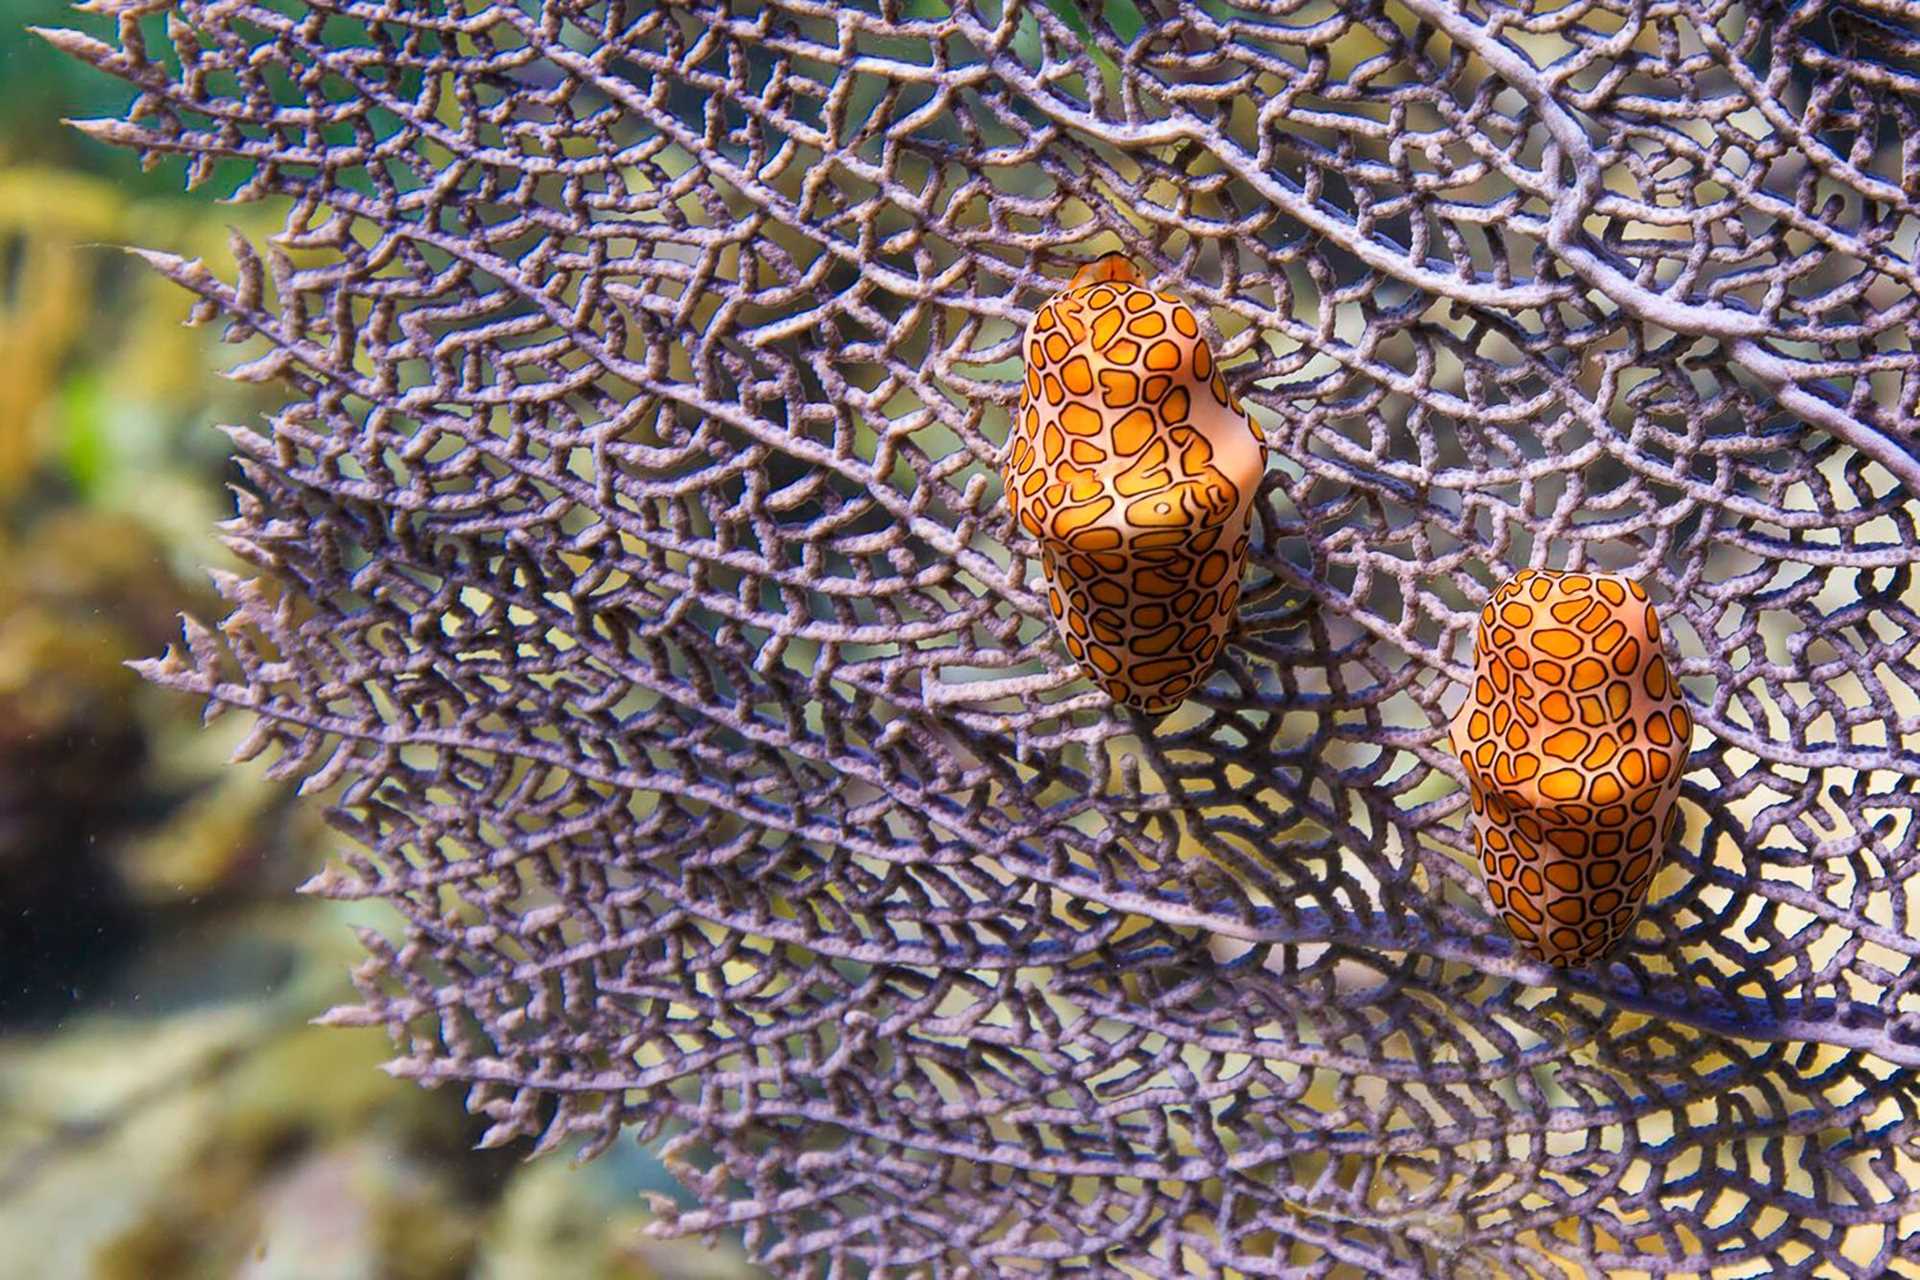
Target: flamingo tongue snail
x,y
1574,739
1135,469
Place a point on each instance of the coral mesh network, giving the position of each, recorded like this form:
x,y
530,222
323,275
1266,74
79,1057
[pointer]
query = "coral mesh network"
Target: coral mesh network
x,y
1135,467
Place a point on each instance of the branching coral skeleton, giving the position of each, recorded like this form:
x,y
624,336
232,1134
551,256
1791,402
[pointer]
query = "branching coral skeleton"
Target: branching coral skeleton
x,y
633,579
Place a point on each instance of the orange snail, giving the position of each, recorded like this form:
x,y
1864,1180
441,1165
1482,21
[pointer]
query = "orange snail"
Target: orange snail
x,y
1135,468
1574,739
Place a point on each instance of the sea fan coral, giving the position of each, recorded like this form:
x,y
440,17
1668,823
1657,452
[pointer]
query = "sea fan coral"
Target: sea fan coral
x,y
632,565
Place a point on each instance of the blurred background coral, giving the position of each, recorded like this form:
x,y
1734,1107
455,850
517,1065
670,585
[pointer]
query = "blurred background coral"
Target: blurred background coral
x,y
165,1107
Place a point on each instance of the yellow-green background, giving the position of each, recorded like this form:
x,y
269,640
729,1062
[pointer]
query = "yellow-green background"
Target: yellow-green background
x,y
165,1107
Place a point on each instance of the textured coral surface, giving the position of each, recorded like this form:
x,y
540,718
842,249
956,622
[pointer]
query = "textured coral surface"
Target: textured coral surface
x,y
636,585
